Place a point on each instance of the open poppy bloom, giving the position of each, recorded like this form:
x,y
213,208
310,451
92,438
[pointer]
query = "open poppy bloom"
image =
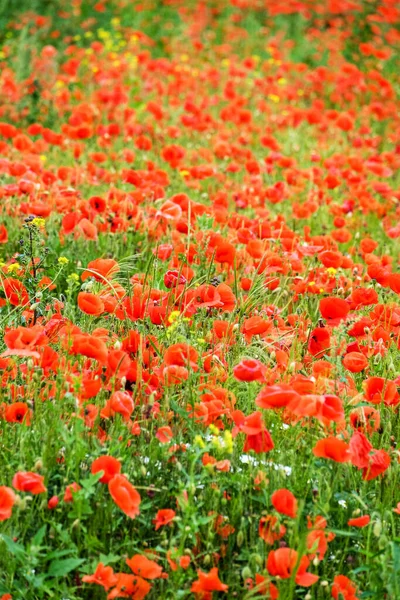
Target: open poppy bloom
x,y
249,369
206,583
7,500
284,563
344,588
26,481
144,567
70,490
129,586
90,303
355,362
258,437
359,521
15,291
276,396
109,465
284,502
125,496
378,389
334,309
164,517
270,530
319,342
332,448
18,412
103,576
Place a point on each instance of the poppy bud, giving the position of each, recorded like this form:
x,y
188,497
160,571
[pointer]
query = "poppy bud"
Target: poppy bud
x,y
240,540
377,529
257,559
246,573
53,502
383,542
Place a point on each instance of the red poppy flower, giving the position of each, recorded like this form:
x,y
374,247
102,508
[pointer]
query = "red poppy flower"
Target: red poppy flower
x,y
102,269
3,234
208,582
378,389
26,481
334,309
359,450
174,375
276,396
144,567
15,291
173,278
129,586
258,437
103,576
319,342
90,303
125,496
110,465
89,346
343,588
365,419
181,355
53,502
18,412
318,538
270,530
120,403
284,502
71,489
284,563
355,362
7,500
333,449
164,434
164,516
359,521
379,462
249,369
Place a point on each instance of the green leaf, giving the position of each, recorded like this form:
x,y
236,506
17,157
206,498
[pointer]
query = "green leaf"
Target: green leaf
x,y
16,550
39,536
59,568
59,553
3,589
345,533
91,481
107,559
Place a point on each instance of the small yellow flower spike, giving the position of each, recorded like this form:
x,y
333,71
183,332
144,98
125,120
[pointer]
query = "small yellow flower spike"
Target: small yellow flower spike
x,y
331,271
198,440
63,260
174,316
39,223
13,267
228,441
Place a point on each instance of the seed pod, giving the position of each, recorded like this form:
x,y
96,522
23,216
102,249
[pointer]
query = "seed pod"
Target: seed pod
x,y
240,538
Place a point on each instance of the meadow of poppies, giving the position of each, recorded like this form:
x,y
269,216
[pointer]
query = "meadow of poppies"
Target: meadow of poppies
x,y
199,301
